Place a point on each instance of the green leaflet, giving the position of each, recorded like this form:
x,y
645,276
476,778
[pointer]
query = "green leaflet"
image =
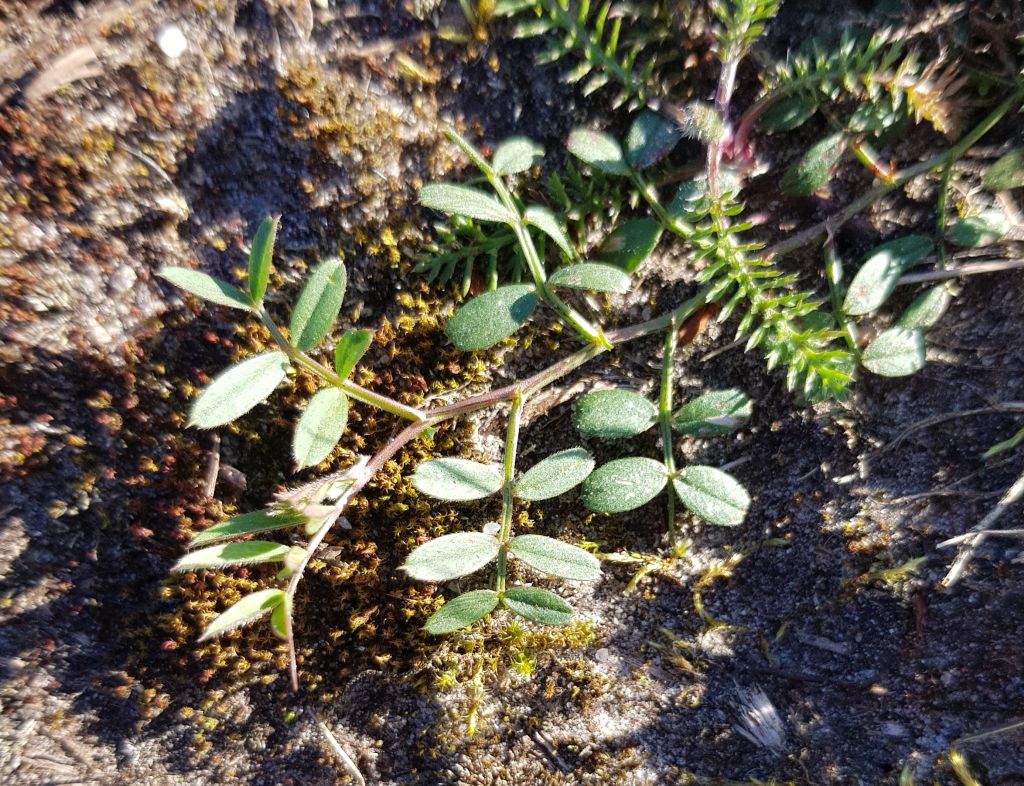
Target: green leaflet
x,y
927,308
897,352
630,244
877,277
556,558
227,555
350,349
712,495
318,305
260,255
981,229
248,524
461,612
545,221
598,149
206,287
451,556
485,320
516,154
650,139
537,605
789,113
624,484
465,201
1006,173
238,389
456,479
591,276
279,618
612,414
555,475
811,172
249,608
320,427
714,413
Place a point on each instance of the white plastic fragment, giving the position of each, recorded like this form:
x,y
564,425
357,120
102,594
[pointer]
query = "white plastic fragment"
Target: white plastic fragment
x,y
171,40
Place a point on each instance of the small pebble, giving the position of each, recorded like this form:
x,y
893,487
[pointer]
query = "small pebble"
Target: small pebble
x,y
492,528
172,41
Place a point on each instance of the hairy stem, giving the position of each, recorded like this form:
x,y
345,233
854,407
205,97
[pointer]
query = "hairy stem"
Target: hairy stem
x,y
511,445
665,422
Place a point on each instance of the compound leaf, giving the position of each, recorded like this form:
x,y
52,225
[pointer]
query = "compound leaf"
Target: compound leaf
x,y
516,154
465,201
487,319
238,389
206,287
249,608
556,558
713,495
612,414
350,349
451,556
537,605
227,555
555,475
624,484
260,255
591,276
320,427
318,305
456,479
461,612
714,413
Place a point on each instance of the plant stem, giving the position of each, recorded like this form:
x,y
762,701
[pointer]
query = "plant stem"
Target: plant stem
x,y
665,422
834,276
511,445
358,392
970,269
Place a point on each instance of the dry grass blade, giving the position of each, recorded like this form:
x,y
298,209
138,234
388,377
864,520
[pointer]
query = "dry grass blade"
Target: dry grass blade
x,y
80,63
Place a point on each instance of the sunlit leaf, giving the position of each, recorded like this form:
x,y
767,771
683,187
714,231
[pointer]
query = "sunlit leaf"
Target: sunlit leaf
x,y
226,555
260,256
612,414
238,389
456,479
451,556
461,612
981,229
555,475
712,495
247,524
279,618
465,201
927,308
714,413
320,427
350,349
631,243
591,276
248,609
537,605
206,287
485,320
516,154
897,352
877,277
556,558
545,221
318,305
624,484
598,149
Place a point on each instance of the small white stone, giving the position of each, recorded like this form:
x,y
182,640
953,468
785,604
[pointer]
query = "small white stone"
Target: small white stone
x,y
603,655
492,528
171,40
